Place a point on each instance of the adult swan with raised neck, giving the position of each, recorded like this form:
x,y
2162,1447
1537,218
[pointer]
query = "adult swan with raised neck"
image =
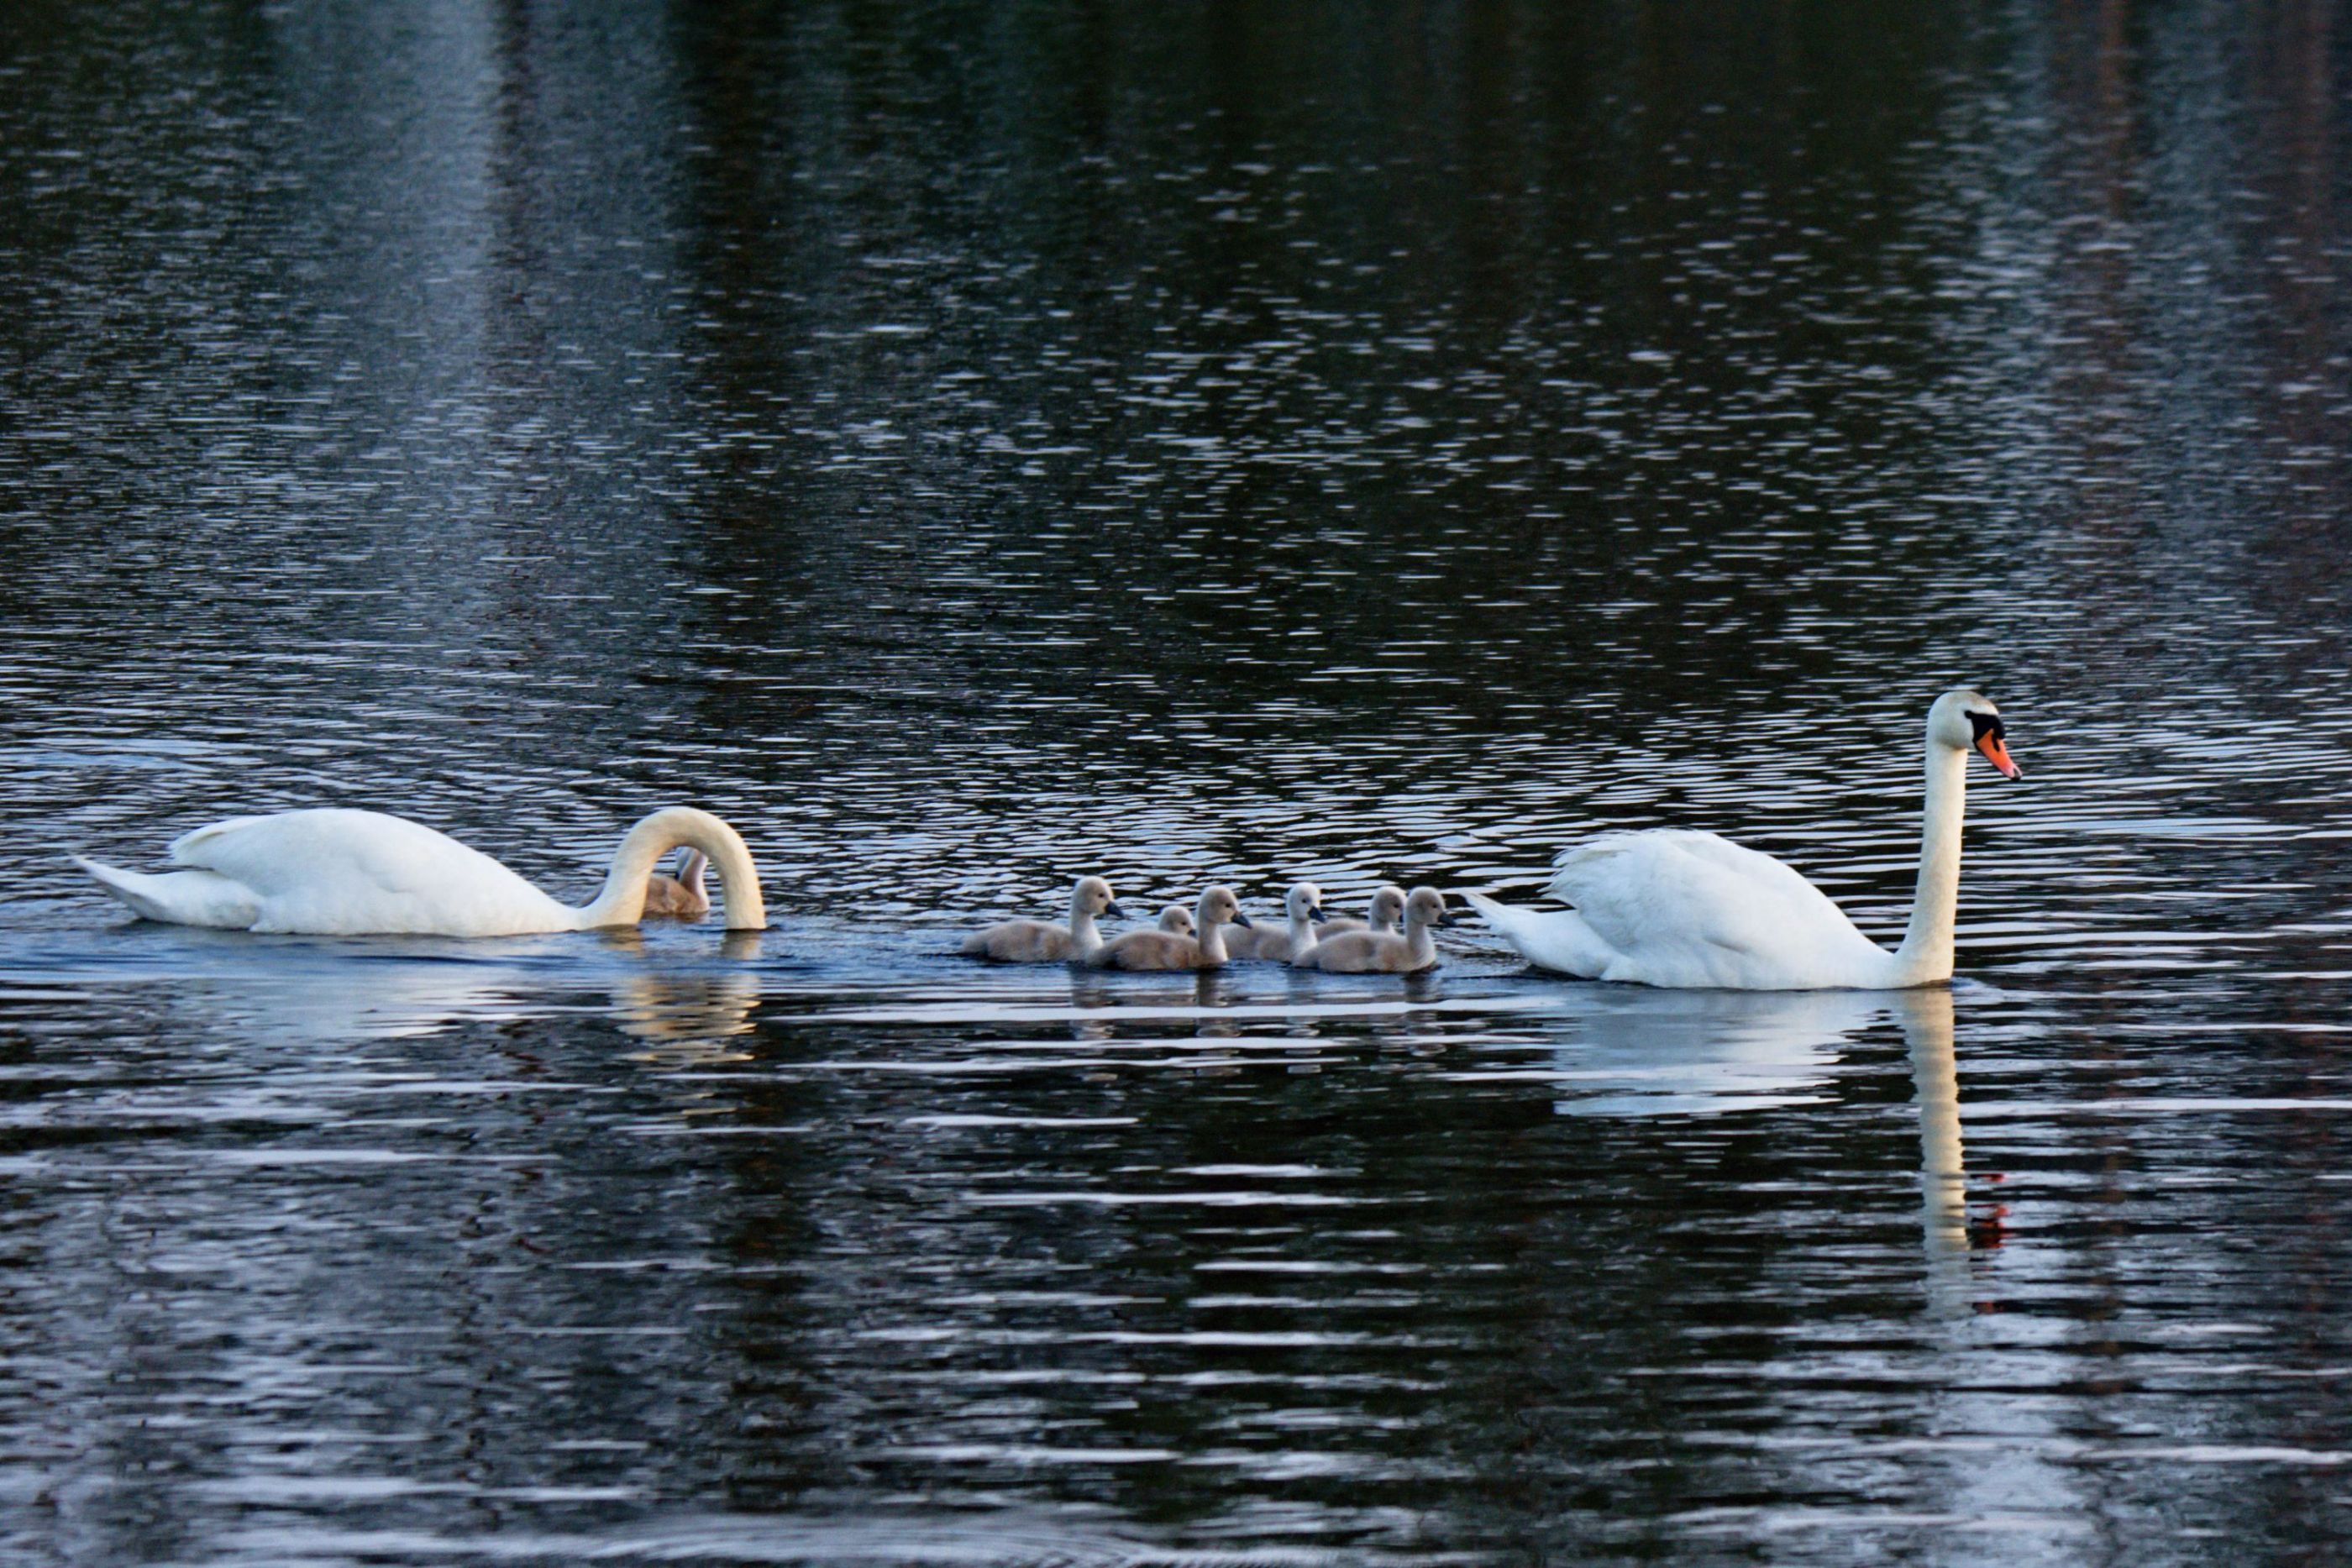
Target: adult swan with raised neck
x,y
337,872
1670,907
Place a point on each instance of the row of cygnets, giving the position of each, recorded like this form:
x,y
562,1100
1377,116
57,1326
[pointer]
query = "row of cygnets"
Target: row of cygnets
x,y
1215,932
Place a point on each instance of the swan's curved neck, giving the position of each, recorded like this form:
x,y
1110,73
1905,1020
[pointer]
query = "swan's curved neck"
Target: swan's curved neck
x,y
622,901
1418,943
1926,956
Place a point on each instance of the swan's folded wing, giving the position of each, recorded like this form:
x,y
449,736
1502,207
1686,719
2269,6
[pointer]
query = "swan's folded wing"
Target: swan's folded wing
x,y
313,853
1694,891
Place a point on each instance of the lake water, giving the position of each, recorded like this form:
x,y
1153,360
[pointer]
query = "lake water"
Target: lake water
x,y
967,446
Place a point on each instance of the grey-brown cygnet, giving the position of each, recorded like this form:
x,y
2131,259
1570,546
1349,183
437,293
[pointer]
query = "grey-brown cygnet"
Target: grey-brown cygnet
x,y
1041,942
1303,905
1379,952
1388,912
1162,950
683,895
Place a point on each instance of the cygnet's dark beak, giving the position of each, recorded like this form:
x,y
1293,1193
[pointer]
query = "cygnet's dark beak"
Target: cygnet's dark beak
x,y
1242,920
1315,913
1113,910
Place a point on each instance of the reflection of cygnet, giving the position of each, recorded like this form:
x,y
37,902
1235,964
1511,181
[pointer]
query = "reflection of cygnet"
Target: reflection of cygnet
x,y
1160,950
1378,953
1035,942
1176,920
1304,906
684,895
1388,912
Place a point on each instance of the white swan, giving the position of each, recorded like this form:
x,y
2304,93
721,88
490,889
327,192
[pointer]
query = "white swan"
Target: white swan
x,y
683,895
1303,906
1382,952
1670,907
1039,942
337,872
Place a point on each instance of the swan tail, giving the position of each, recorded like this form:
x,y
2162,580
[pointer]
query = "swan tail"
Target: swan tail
x,y
1555,939
180,897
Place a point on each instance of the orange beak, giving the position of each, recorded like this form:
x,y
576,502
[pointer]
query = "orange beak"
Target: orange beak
x,y
1996,753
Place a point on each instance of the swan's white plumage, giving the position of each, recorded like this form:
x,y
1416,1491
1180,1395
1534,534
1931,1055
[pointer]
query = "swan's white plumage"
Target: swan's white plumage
x,y
338,871
1675,907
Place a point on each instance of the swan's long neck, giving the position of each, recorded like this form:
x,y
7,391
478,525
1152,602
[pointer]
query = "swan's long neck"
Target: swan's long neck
x,y
1083,937
622,901
1302,930
1212,935
1926,956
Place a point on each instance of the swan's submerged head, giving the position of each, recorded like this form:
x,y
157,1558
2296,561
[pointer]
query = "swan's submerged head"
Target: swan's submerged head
x,y
1092,896
1966,720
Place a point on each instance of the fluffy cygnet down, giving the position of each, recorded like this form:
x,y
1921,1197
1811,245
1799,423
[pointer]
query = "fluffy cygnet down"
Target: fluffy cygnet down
x,y
1379,952
1039,942
683,895
1176,920
1162,950
1388,912
1303,905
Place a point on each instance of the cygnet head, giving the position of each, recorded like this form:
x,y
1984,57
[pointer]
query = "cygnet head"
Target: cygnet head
x,y
1304,901
1426,907
1966,720
1387,907
1218,907
1176,920
1093,896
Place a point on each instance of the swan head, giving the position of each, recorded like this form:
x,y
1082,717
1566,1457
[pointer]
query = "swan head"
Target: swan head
x,y
1303,903
1426,907
1093,896
1966,720
1176,920
1218,907
1387,907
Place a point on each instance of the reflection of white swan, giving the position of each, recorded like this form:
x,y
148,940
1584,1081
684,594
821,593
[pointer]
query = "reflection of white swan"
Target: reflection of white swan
x,y
1927,1019
337,872
1670,907
1656,1052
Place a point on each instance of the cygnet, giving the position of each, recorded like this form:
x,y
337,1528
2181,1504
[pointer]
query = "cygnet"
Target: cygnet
x,y
1040,942
1304,906
1379,952
1162,950
1388,911
683,895
1176,920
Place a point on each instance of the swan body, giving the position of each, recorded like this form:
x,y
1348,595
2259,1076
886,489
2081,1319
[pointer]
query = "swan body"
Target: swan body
x,y
1673,907
683,895
1382,952
1387,914
1302,906
1162,950
1040,942
339,873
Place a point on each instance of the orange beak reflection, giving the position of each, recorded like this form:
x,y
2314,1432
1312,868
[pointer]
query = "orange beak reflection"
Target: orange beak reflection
x,y
1996,754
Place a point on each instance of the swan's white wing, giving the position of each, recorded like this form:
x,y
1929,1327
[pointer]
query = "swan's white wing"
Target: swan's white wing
x,y
1687,908
331,872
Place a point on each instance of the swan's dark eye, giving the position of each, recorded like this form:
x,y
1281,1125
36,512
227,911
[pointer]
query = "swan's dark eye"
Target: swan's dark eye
x,y
1986,723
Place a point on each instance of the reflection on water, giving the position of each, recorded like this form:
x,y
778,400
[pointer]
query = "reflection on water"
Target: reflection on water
x,y
970,446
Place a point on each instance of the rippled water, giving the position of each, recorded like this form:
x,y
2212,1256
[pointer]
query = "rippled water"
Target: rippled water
x,y
967,446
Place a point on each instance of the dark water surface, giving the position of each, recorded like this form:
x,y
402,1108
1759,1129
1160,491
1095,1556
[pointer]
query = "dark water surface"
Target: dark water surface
x,y
970,444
